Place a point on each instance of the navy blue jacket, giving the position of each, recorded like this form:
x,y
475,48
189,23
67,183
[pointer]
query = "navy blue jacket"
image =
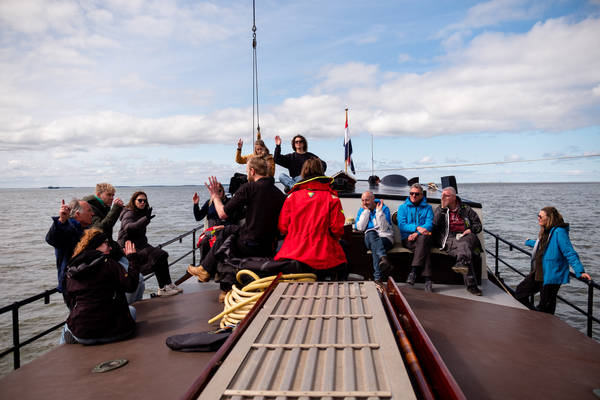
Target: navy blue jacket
x,y
64,238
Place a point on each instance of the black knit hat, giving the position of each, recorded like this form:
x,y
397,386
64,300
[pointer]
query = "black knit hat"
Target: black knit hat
x,y
96,241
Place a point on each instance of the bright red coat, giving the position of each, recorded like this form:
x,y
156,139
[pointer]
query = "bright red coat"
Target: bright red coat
x,y
312,221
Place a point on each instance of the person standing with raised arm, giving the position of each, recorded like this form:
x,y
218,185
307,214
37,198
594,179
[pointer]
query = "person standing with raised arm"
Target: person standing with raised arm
x,y
293,161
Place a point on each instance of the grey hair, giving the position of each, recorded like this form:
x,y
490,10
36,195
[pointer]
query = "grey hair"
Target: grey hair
x,y
450,189
417,186
75,207
370,193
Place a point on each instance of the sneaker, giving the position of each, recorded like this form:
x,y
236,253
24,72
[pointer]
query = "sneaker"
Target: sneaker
x,y
165,292
380,286
474,290
460,269
428,287
174,287
412,277
200,272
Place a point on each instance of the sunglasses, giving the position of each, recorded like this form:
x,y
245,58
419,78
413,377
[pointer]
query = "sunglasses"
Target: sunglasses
x,y
298,141
415,193
141,200
540,216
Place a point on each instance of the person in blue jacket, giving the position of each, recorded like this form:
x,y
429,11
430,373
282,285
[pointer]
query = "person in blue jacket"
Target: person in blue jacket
x,y
552,254
415,221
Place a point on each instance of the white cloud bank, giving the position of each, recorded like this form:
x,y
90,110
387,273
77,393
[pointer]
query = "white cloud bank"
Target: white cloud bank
x,y
546,79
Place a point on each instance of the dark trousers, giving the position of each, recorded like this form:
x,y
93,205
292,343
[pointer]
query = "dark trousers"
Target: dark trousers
x,y
421,256
155,260
228,244
462,250
548,293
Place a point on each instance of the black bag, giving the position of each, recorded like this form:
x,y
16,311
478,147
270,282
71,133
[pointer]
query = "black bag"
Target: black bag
x,y
199,341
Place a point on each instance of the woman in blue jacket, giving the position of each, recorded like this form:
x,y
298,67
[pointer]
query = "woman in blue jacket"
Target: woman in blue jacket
x,y
552,254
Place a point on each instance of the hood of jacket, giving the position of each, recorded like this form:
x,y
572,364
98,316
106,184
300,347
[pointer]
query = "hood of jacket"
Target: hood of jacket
x,y
316,183
85,263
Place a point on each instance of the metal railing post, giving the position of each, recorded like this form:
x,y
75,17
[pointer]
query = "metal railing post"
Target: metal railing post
x,y
497,253
16,344
194,247
590,307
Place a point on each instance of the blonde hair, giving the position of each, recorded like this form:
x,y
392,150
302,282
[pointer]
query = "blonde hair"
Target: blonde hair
x,y
85,240
105,187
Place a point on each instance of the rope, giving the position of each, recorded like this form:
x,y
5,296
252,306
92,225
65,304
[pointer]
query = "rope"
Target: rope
x,y
238,302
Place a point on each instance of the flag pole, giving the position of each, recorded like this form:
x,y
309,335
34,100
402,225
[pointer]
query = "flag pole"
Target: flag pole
x,y
345,159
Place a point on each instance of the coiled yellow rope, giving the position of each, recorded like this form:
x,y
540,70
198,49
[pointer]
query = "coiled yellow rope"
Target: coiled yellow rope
x,y
238,302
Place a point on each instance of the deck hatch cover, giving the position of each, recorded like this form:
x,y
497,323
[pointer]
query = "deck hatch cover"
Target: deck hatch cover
x,y
311,340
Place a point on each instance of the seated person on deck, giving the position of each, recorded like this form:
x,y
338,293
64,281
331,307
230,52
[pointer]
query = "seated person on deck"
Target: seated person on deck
x,y
95,292
293,161
257,237
135,218
65,233
415,222
374,219
312,221
455,229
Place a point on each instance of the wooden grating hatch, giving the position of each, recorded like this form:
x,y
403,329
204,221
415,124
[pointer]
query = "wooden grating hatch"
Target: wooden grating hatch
x,y
315,340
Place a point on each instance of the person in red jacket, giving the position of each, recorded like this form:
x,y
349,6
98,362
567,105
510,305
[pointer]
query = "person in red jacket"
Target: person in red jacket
x,y
312,221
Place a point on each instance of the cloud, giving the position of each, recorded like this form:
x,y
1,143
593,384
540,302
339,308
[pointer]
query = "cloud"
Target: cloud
x,y
513,157
426,160
495,12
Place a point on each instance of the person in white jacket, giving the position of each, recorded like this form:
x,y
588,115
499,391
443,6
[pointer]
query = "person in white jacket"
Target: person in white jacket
x,y
374,219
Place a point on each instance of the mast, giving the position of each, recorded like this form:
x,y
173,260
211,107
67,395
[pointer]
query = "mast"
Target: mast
x,y
255,110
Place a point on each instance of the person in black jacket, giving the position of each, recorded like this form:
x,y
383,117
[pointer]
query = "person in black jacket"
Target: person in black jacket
x,y
135,217
293,161
95,292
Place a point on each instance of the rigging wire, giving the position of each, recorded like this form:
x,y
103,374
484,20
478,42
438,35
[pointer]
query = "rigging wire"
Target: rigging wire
x,y
254,77
489,163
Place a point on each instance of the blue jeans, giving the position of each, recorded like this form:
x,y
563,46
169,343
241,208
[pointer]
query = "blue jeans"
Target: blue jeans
x,y
378,247
289,182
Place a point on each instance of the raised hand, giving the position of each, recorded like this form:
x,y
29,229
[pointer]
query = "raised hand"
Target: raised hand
x,y
129,248
63,213
277,140
213,186
118,202
196,198
240,144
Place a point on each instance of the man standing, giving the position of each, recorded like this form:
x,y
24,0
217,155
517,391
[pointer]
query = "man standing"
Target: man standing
x,y
65,232
293,161
374,219
258,235
415,221
456,227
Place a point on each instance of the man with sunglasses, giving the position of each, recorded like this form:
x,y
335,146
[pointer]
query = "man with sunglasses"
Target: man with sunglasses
x,y
415,221
456,226
293,161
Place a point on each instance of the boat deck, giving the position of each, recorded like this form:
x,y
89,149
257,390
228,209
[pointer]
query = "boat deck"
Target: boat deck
x,y
491,293
499,352
153,370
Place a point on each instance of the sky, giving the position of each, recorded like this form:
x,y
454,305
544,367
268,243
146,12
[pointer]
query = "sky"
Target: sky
x,y
143,93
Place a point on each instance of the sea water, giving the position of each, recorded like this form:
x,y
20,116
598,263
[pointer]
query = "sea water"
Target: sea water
x,y
28,266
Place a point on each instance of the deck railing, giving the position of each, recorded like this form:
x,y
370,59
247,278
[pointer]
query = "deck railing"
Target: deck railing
x,y
591,285
14,307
